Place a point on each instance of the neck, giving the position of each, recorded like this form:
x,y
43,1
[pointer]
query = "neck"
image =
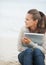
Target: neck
x,y
33,29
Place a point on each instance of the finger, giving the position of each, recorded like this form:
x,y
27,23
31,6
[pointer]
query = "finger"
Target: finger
x,y
25,38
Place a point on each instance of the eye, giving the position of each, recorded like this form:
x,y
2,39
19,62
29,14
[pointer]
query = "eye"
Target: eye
x,y
27,19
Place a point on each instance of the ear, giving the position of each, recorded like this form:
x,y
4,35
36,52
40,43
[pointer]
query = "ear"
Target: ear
x,y
36,21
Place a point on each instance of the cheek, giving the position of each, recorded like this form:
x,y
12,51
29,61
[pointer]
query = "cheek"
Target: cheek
x,y
32,24
29,23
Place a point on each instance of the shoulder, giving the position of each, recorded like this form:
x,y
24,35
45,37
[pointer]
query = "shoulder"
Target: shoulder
x,y
24,29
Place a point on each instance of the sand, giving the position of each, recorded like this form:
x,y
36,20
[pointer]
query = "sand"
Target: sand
x,y
9,63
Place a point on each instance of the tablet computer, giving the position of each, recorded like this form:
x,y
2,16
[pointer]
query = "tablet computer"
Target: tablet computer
x,y
35,37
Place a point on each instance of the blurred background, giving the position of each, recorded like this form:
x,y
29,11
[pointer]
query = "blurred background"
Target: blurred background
x,y
12,17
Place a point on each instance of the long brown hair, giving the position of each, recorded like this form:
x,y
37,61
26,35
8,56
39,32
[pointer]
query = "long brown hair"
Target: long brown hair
x,y
42,23
40,16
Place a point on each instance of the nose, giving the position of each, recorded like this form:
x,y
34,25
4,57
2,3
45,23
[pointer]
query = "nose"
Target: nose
x,y
25,21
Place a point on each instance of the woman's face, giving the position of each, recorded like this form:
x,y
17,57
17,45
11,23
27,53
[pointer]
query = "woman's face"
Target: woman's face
x,y
29,22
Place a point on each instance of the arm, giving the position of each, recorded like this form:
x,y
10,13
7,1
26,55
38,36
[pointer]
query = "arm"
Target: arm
x,y
44,45
21,34
37,46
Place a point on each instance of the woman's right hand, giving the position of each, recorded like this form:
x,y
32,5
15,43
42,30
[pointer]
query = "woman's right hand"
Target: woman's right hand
x,y
26,40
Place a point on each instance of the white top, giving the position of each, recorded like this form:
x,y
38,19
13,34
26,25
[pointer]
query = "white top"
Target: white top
x,y
32,45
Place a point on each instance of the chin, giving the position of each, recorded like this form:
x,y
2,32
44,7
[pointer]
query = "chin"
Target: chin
x,y
26,25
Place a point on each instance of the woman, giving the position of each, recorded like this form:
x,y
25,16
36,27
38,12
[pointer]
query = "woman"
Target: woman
x,y
31,53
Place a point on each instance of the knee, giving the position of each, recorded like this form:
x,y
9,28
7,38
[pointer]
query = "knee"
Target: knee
x,y
29,50
37,52
19,56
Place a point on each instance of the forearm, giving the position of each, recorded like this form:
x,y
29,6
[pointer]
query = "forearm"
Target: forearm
x,y
37,46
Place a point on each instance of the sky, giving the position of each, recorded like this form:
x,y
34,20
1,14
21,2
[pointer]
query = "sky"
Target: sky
x,y
12,13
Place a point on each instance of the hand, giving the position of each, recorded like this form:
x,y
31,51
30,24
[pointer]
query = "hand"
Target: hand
x,y
26,40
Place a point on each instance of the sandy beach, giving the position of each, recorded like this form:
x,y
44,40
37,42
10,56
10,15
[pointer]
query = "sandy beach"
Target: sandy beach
x,y
9,63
